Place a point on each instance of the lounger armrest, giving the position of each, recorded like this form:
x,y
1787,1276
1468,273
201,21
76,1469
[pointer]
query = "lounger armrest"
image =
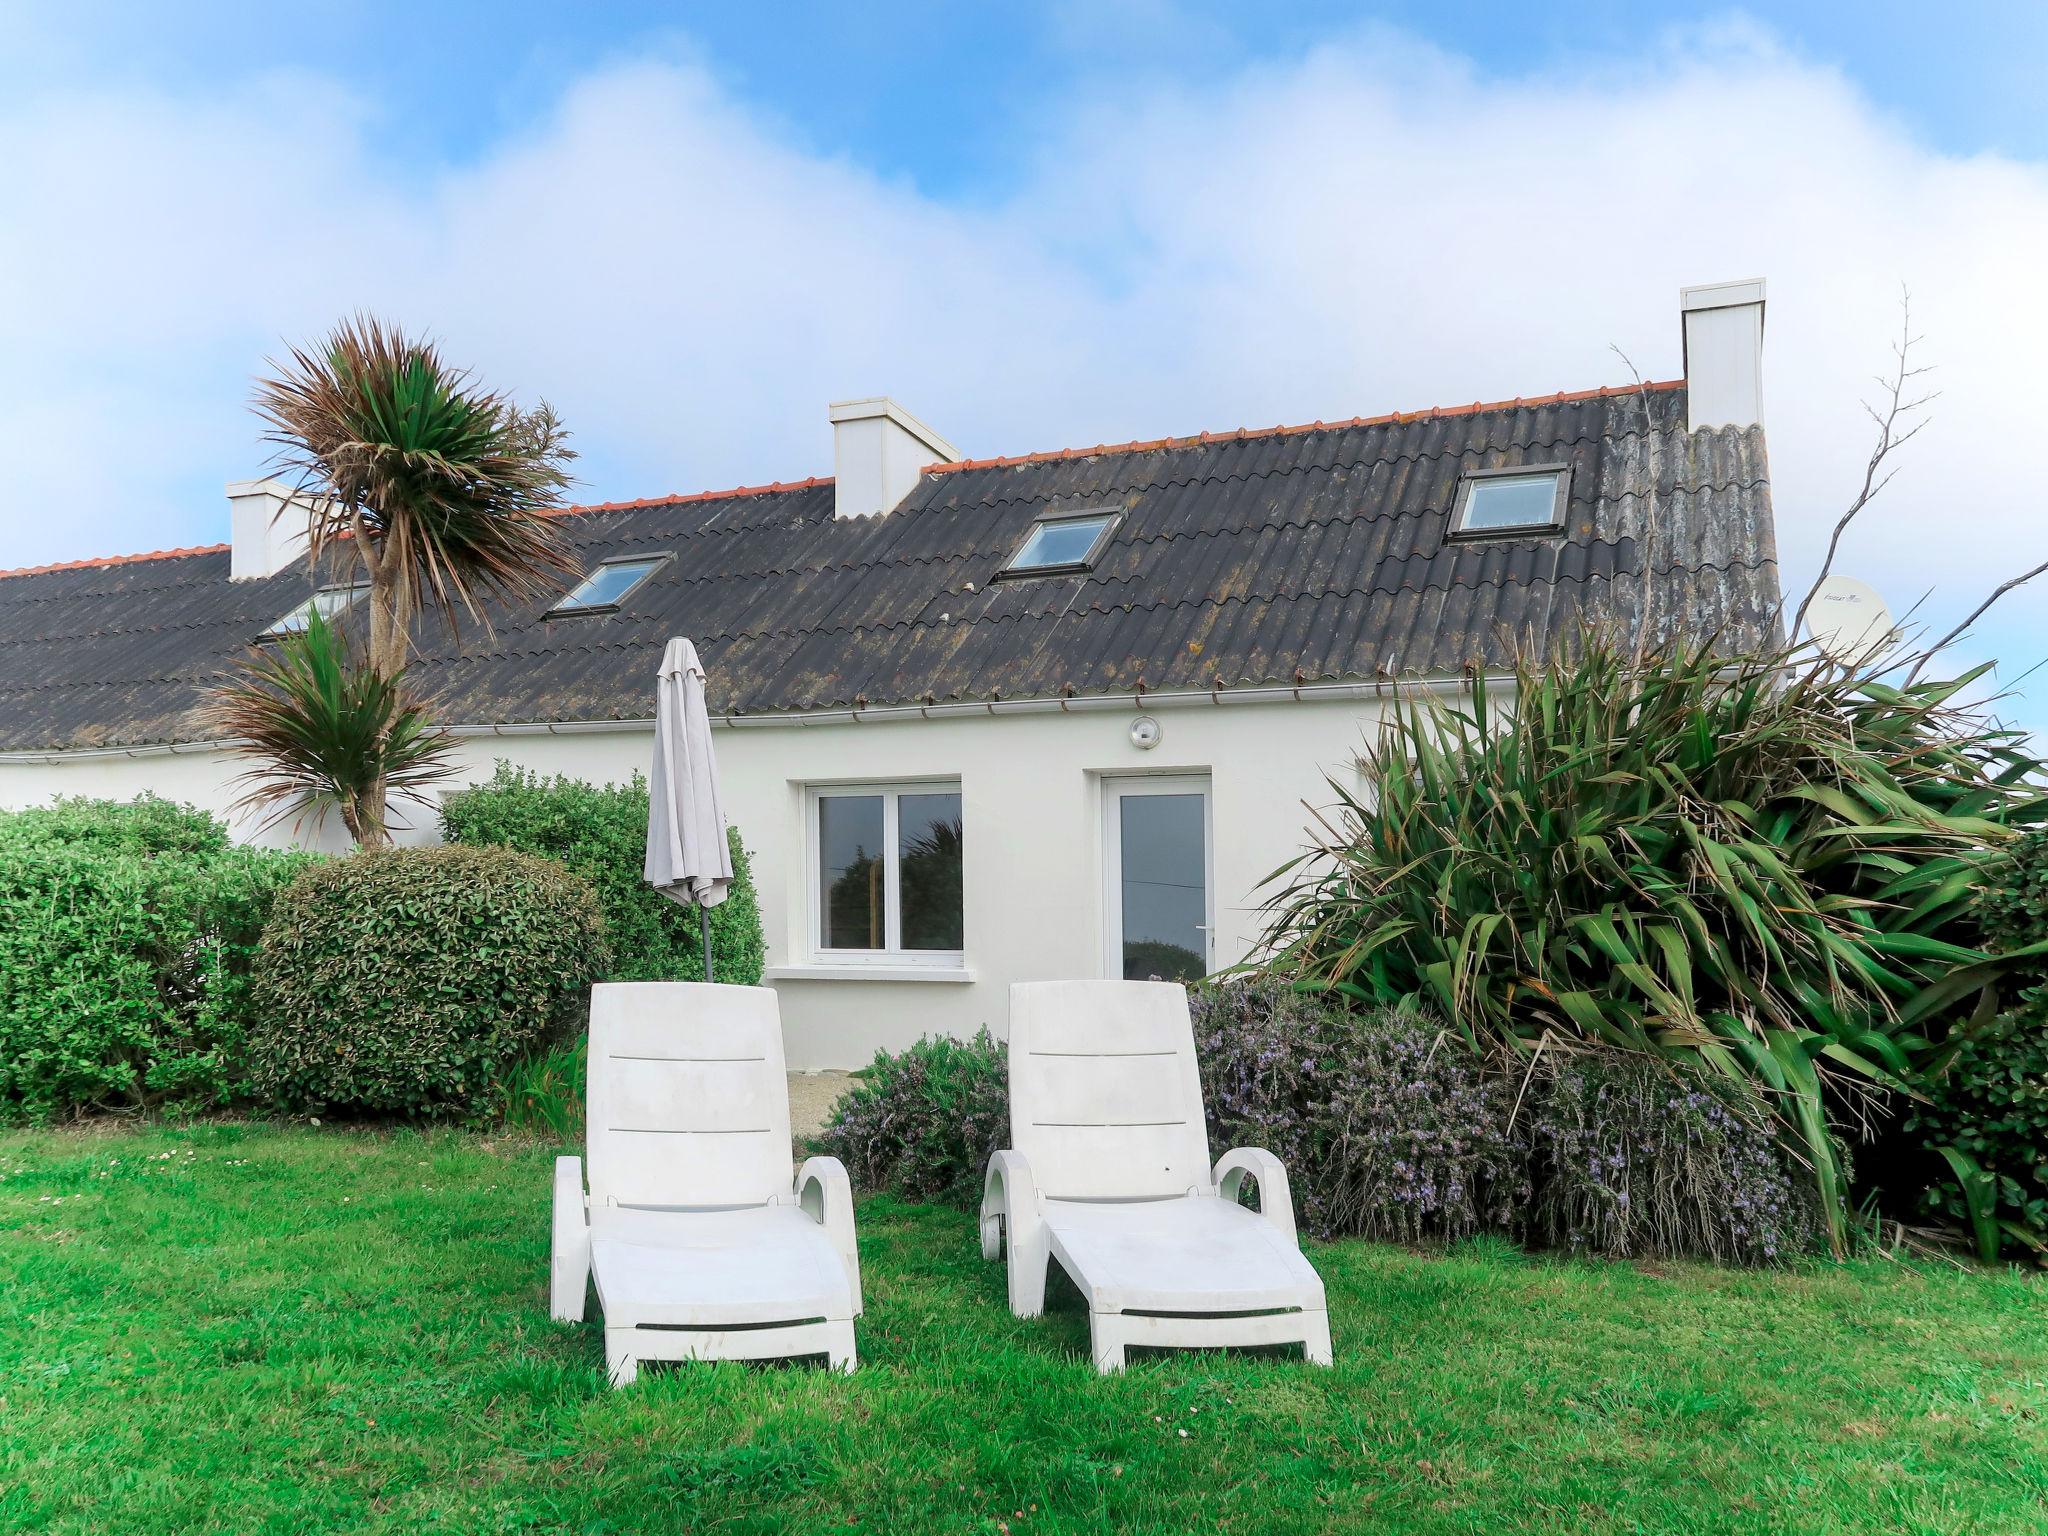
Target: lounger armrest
x,y
826,1194
1013,1215
1008,1198
569,1276
1276,1200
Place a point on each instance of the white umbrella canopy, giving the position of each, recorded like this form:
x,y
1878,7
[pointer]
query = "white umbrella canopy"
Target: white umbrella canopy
x,y
688,858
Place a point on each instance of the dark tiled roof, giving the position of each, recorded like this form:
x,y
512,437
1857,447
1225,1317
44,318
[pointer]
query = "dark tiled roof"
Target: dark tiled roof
x,y
1273,557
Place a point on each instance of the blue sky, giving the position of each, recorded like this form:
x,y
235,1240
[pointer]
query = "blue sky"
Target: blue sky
x,y
932,91
691,225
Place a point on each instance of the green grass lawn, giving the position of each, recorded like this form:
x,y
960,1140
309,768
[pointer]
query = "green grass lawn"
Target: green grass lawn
x,y
246,1328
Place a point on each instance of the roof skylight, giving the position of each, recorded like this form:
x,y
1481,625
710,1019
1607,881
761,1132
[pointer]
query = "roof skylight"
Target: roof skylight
x,y
1061,544
327,602
1499,501
607,586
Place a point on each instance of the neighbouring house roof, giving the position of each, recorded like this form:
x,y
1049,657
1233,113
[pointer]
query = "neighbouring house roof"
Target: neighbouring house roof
x,y
1291,555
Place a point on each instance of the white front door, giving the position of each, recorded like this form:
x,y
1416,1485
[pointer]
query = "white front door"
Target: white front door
x,y
1160,916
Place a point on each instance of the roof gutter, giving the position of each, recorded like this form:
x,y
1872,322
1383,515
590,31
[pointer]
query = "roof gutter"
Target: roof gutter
x,y
94,754
1134,703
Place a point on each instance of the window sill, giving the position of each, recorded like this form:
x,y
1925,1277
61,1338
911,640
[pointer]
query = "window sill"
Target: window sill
x,y
955,975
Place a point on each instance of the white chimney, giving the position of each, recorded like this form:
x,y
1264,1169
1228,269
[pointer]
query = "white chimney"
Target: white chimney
x,y
878,451
267,528
1724,353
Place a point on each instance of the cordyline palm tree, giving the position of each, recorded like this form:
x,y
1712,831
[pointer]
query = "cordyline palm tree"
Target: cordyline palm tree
x,y
326,733
439,487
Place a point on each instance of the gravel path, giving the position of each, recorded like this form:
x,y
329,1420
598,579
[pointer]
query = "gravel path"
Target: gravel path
x,y
811,1097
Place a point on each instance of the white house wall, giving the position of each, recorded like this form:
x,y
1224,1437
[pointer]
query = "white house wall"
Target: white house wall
x,y
1031,787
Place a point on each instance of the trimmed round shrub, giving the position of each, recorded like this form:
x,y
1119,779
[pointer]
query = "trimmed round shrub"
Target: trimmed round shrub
x,y
600,831
127,938
1640,1158
924,1122
1390,1127
404,980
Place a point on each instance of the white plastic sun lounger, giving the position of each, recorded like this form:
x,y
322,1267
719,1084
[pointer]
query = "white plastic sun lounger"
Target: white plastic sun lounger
x,y
701,1245
1110,1175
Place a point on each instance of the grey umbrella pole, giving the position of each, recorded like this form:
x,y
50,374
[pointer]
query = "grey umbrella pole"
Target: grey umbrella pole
x,y
704,933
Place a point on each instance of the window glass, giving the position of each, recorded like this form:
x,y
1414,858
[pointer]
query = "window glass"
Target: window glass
x,y
607,584
327,602
928,851
1059,543
1165,895
852,893
1510,501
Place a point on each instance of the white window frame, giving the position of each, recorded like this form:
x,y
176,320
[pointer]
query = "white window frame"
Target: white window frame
x,y
1561,477
892,955
1114,788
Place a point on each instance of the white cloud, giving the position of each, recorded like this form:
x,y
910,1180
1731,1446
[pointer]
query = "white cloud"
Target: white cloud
x,y
1371,226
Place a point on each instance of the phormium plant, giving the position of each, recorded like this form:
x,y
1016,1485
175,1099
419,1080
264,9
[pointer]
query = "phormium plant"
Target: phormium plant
x,y
1762,863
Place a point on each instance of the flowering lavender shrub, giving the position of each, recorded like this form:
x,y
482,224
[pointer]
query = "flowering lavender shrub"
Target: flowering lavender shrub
x,y
1389,1127
924,1122
1637,1158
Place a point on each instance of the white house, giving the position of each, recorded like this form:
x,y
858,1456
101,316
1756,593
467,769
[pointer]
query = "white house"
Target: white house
x,y
987,720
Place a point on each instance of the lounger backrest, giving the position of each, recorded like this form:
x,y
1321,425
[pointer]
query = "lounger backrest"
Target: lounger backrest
x,y
688,1105
1105,1096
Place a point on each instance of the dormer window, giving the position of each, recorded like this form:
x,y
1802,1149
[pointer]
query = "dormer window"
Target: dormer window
x,y
607,586
1058,546
328,602
1523,500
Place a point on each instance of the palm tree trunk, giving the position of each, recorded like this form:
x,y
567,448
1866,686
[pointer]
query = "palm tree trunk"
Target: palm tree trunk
x,y
387,627
363,813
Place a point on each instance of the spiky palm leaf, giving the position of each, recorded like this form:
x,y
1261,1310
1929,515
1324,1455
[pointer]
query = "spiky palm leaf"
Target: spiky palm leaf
x,y
326,733
443,485
1765,861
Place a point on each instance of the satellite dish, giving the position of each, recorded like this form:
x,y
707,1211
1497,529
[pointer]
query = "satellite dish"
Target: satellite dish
x,y
1847,619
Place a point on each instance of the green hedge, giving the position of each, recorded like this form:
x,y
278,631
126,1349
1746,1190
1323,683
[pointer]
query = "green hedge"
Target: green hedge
x,y
404,980
146,826
1985,1114
127,938
600,831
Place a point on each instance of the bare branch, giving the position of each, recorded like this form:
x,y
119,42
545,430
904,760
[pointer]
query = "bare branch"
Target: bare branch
x,y
1977,613
1895,429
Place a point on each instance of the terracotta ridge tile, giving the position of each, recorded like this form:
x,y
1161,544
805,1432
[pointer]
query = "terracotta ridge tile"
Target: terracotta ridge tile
x,y
1391,418
103,561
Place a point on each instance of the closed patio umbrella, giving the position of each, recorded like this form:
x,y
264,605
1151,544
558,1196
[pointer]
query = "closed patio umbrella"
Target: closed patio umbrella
x,y
688,859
